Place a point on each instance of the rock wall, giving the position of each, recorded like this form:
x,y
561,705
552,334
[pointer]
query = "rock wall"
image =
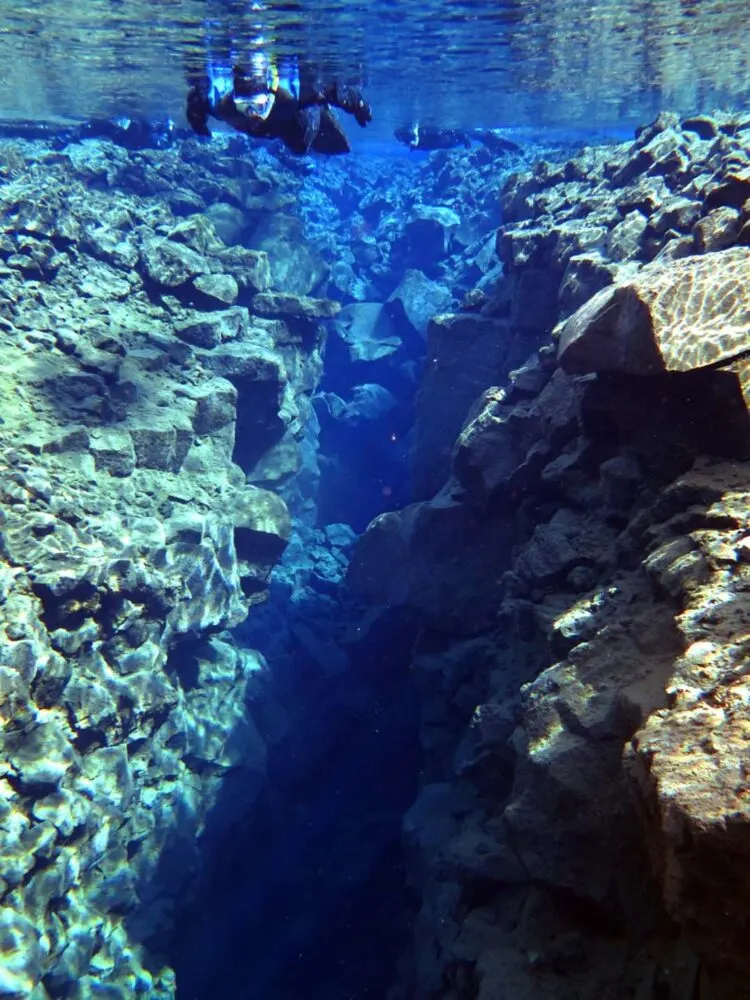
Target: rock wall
x,y
580,580
151,377
162,332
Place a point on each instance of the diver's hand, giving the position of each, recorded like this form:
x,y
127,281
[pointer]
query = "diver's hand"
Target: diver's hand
x,y
362,112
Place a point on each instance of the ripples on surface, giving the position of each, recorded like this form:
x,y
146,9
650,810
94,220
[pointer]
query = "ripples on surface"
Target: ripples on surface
x,y
459,63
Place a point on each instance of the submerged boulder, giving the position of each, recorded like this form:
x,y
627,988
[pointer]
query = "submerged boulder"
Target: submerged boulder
x,y
297,306
417,300
296,267
466,354
427,235
170,263
367,330
673,317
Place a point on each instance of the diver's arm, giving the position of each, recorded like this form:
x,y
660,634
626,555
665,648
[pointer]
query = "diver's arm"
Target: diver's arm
x,y
197,111
349,99
339,95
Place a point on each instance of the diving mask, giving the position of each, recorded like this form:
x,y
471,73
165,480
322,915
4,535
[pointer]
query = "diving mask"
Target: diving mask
x,y
256,105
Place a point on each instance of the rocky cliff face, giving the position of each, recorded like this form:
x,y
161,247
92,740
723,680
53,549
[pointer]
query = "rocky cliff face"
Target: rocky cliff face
x,y
151,376
580,579
162,324
576,568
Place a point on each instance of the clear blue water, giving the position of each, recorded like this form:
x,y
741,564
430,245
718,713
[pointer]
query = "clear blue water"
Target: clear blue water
x,y
507,63
306,897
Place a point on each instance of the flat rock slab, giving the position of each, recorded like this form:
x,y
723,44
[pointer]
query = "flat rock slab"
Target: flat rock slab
x,y
302,306
367,330
675,317
418,299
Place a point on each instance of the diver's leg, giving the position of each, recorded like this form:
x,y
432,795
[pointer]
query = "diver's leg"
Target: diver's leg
x,y
331,138
198,108
310,120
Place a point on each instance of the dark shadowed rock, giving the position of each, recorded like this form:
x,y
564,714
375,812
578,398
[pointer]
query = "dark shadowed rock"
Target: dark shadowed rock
x,y
427,235
466,353
503,446
413,558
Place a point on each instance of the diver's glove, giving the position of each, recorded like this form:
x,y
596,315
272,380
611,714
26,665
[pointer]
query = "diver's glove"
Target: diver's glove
x,y
362,112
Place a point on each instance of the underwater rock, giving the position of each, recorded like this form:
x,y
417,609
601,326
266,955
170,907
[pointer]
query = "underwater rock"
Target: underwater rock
x,y
198,233
250,268
578,586
170,263
230,222
613,658
687,314
717,230
130,537
688,759
427,235
298,306
369,402
624,240
295,266
113,450
557,546
212,329
465,355
417,299
407,558
222,287
367,330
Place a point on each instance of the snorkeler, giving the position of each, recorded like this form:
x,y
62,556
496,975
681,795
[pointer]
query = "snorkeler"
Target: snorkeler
x,y
418,136
269,103
430,137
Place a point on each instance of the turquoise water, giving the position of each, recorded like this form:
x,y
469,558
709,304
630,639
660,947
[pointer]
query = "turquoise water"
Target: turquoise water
x,y
515,62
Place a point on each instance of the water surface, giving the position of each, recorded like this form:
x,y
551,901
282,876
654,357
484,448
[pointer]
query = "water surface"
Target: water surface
x,y
453,62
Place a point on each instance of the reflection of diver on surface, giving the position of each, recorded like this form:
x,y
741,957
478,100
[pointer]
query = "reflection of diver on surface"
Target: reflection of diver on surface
x,y
269,103
430,137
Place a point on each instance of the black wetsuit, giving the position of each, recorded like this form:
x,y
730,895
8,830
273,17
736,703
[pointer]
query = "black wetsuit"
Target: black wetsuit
x,y
432,137
302,123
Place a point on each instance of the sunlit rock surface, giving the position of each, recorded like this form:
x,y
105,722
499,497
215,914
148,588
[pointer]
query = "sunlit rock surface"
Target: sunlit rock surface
x,y
139,389
677,316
